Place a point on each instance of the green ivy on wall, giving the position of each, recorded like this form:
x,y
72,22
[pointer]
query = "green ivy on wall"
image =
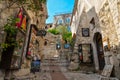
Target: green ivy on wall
x,y
10,30
10,26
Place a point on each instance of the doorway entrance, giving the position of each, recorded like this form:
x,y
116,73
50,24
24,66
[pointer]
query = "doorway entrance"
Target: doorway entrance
x,y
99,48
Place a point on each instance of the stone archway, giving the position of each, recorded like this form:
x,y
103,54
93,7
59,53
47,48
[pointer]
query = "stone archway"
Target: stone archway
x,y
99,49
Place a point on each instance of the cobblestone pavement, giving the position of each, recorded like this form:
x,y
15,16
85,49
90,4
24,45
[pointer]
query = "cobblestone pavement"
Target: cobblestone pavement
x,y
57,70
79,75
57,74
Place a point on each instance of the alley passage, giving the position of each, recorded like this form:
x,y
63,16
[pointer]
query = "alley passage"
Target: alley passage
x,y
51,69
56,69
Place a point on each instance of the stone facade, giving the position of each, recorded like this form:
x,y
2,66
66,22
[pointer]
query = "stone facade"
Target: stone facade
x,y
33,19
48,26
102,18
50,50
62,19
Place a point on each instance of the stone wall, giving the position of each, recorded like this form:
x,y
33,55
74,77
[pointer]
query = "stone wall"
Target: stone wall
x,y
79,38
49,49
63,18
6,11
115,15
107,26
109,22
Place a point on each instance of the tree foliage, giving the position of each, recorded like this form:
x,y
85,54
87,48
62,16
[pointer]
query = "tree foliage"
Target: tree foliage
x,y
54,31
11,30
10,26
30,4
66,35
62,30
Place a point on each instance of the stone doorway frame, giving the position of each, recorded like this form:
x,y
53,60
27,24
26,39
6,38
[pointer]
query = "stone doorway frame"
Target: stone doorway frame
x,y
96,53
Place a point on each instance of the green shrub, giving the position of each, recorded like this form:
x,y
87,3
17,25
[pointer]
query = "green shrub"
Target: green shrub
x,y
54,31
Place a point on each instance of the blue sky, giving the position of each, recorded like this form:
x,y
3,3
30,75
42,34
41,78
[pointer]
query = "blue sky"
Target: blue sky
x,y
58,6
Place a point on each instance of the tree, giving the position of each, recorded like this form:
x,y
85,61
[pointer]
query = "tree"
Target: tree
x,y
62,30
66,35
54,31
35,5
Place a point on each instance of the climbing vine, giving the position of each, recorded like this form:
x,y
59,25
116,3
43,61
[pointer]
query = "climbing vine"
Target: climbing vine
x,y
35,5
10,28
11,31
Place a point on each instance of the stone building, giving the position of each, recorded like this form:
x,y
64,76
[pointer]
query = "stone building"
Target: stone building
x,y
48,26
62,19
95,25
33,24
50,50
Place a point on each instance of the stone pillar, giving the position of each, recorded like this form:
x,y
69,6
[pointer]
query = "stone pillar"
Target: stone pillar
x,y
95,56
74,64
107,55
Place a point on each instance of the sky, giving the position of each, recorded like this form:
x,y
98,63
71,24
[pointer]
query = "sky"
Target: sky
x,y
55,7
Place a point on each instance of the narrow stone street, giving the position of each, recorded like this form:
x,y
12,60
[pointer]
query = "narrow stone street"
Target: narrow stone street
x,y
60,40
51,69
56,69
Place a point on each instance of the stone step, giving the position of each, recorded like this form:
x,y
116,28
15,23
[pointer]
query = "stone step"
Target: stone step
x,y
54,64
53,71
64,61
26,77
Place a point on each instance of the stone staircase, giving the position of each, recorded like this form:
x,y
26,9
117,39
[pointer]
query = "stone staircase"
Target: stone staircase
x,y
60,61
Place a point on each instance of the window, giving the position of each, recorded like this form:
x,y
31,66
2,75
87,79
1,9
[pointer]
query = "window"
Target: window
x,y
67,20
50,26
60,21
45,27
92,22
45,43
68,28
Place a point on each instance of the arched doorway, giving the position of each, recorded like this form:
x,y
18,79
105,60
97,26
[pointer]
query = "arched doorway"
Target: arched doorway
x,y
99,49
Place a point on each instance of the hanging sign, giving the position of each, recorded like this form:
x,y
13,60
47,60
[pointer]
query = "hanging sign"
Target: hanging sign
x,y
41,33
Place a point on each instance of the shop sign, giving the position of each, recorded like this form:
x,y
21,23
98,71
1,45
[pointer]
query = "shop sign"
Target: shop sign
x,y
66,46
85,32
41,33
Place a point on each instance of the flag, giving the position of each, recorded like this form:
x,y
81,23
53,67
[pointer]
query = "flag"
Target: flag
x,y
19,16
23,25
